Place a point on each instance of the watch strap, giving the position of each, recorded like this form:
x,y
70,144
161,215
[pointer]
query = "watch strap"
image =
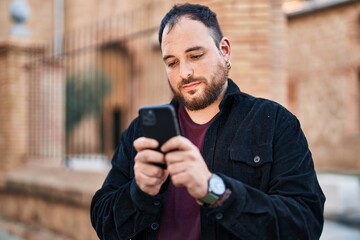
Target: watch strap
x,y
209,198
222,199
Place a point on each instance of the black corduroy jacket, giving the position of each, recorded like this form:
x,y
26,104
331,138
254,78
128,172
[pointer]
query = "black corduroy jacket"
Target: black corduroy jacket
x,y
260,151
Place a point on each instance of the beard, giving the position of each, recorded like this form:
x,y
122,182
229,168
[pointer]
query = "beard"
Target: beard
x,y
210,94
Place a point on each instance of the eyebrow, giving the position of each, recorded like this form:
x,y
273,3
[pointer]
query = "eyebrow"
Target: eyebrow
x,y
186,51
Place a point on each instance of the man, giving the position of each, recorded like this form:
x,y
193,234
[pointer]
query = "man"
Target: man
x,y
241,169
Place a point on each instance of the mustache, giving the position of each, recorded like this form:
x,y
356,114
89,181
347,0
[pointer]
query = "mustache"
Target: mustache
x,y
190,80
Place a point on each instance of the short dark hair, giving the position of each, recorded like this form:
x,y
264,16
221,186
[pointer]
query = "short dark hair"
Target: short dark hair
x,y
195,12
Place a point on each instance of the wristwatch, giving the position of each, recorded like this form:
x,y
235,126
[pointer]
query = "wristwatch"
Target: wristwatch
x,y
216,188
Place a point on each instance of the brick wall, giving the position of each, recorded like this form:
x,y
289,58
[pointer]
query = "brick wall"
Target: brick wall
x,y
324,61
13,105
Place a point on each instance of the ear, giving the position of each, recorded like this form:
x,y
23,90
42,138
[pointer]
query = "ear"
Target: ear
x,y
225,48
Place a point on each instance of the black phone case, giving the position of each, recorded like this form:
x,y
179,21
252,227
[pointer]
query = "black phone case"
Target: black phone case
x,y
159,122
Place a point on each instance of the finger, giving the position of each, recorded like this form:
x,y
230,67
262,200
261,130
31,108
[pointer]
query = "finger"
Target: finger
x,y
177,143
196,186
149,170
150,185
150,157
143,143
176,168
180,179
151,190
182,156
147,181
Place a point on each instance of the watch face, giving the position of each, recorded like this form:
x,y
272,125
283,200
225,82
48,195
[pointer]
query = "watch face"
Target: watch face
x,y
217,185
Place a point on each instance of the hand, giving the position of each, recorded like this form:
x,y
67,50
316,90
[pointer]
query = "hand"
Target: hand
x,y
186,166
148,176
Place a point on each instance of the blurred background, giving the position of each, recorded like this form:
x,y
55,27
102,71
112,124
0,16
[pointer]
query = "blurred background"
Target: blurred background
x,y
73,74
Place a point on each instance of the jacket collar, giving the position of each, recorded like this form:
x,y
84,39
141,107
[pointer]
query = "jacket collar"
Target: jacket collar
x,y
232,90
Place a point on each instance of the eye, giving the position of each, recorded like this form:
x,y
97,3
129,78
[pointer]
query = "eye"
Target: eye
x,y
197,56
171,64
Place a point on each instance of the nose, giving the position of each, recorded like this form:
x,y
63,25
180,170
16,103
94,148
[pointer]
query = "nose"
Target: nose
x,y
186,70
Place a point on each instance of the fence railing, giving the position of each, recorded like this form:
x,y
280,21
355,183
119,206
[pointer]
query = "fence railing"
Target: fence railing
x,y
81,100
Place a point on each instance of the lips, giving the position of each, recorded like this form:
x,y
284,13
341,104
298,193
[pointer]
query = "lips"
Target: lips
x,y
190,86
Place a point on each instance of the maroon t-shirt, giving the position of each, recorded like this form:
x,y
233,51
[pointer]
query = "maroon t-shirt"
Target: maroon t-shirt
x,y
181,214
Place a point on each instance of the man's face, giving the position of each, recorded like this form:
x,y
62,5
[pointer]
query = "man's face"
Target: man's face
x,y
195,67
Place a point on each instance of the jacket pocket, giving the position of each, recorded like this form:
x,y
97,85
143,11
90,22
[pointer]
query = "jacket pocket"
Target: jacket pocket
x,y
251,164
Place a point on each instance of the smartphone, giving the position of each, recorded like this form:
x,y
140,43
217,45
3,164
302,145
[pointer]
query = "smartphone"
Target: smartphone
x,y
159,122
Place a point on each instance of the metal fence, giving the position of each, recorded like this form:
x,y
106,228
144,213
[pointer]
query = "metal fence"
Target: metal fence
x,y
81,99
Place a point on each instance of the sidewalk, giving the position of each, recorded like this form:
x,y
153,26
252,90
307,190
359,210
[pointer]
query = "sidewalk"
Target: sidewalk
x,y
335,231
12,230
6,236
332,231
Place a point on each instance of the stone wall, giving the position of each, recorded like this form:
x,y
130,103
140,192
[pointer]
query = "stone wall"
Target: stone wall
x,y
49,200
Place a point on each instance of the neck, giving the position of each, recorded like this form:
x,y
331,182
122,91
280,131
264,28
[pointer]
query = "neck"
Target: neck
x,y
204,115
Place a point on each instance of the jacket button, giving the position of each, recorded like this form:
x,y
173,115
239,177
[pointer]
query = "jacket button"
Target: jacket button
x,y
219,216
256,159
154,226
157,203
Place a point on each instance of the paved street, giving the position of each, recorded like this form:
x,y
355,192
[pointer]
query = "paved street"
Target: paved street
x,y
336,231
332,231
6,236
